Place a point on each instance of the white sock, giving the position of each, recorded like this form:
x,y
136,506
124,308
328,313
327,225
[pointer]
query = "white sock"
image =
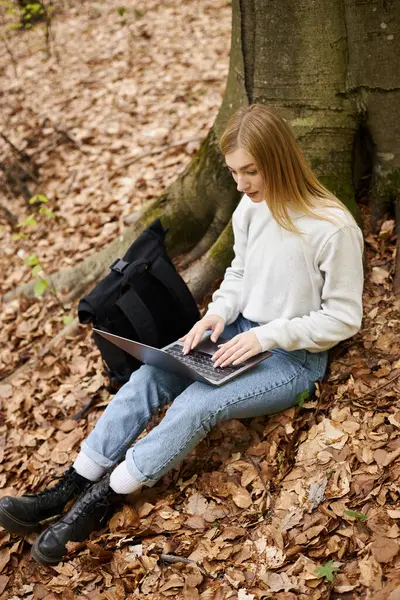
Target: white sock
x,y
122,482
86,467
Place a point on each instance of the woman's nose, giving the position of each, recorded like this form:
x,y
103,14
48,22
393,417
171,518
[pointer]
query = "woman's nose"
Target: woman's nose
x,y
241,184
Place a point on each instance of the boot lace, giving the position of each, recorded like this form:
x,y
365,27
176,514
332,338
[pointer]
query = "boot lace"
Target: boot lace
x,y
67,484
91,501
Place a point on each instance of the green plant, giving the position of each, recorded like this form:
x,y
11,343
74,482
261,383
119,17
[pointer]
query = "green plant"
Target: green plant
x,y
327,570
356,515
42,283
31,220
30,13
26,14
41,198
301,397
123,14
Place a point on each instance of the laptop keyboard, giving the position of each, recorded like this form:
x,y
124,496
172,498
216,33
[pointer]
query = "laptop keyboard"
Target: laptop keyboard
x,y
201,362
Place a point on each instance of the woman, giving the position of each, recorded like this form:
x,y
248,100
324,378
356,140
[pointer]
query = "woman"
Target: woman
x,y
294,288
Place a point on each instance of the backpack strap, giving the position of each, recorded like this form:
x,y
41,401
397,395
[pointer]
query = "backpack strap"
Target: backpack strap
x,y
170,278
140,317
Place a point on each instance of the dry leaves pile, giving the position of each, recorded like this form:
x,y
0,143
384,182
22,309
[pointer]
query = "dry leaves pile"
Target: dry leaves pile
x,y
301,505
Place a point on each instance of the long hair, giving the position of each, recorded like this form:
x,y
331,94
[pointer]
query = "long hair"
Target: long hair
x,y
290,184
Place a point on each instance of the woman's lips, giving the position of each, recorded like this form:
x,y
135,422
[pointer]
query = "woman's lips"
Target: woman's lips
x,y
252,194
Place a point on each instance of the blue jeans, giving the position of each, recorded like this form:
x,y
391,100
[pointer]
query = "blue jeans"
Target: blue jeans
x,y
267,388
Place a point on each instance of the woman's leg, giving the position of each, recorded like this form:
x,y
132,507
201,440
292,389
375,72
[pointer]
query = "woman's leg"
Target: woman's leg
x,y
124,419
147,391
272,386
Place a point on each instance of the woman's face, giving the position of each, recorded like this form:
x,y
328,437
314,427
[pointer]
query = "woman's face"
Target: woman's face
x,y
244,171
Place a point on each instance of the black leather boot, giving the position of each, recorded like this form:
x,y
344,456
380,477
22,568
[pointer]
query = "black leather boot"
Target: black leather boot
x,y
89,513
23,514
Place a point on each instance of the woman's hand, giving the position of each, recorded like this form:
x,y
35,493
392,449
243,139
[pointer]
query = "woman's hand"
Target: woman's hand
x,y
191,339
237,350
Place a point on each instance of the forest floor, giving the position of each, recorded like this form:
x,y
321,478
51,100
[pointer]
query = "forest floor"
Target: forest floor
x,y
304,504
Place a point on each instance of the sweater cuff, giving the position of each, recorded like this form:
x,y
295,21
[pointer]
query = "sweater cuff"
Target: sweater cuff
x,y
266,340
219,310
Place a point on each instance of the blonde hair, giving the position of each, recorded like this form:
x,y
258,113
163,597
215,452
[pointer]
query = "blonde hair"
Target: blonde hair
x,y
289,181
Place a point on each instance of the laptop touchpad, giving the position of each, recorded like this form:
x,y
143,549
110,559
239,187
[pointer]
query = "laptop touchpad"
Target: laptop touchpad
x,y
210,347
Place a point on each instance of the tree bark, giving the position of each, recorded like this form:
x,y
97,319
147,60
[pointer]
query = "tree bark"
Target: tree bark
x,y
331,69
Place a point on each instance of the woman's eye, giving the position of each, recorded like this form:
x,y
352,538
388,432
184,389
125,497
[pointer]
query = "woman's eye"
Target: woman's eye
x,y
251,172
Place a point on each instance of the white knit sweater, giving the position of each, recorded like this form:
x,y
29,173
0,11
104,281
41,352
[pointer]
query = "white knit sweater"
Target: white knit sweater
x,y
305,291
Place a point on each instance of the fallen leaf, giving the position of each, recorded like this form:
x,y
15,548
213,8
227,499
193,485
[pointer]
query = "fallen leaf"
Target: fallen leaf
x,y
197,504
274,557
370,573
242,498
3,583
196,522
244,595
384,549
4,558
379,275
6,391
278,582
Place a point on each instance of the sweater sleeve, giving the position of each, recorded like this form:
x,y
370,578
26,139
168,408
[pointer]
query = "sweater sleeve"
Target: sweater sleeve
x,y
340,262
226,300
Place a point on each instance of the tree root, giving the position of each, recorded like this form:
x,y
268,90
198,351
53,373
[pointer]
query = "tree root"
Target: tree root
x,y
217,226
201,275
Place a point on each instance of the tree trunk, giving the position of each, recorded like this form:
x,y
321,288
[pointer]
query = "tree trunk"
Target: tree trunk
x,y
331,69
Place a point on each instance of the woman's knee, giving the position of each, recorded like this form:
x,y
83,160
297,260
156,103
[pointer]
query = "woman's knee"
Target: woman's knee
x,y
145,372
196,411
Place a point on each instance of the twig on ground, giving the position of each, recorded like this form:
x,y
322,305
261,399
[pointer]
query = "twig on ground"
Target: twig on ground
x,y
379,387
8,48
23,156
172,558
71,182
49,35
62,132
10,218
152,152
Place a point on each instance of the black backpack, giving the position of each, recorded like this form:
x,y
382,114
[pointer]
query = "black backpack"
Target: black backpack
x,y
143,298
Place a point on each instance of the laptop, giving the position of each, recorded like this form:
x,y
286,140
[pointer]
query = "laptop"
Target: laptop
x,y
196,365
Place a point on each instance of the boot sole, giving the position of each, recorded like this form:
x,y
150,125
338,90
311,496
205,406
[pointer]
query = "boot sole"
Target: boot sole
x,y
41,558
14,525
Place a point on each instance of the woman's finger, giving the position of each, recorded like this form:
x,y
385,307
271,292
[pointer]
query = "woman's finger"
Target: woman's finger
x,y
245,357
188,341
218,329
224,348
193,337
198,336
230,355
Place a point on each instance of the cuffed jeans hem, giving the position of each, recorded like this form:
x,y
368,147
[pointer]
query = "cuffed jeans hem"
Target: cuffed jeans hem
x,y
98,458
134,471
